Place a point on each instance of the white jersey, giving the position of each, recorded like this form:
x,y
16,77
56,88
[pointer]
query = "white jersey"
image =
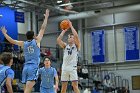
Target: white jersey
x,y
70,58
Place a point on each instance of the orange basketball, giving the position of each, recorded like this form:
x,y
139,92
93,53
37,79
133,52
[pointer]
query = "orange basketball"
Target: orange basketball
x,y
64,24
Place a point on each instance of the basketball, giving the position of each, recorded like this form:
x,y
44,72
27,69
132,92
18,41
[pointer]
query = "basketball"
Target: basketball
x,y
64,24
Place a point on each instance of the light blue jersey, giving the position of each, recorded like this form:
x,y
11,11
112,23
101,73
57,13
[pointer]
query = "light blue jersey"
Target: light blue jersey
x,y
31,52
32,61
47,79
5,71
1,74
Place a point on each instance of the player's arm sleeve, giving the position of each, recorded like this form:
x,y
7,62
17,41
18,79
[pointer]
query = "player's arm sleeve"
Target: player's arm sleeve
x,y
55,73
10,73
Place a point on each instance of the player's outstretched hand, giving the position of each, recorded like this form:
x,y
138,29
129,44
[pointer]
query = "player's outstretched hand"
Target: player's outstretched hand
x,y
3,29
47,13
65,30
70,23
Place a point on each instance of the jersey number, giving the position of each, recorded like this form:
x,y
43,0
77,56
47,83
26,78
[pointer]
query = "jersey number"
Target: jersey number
x,y
69,52
30,49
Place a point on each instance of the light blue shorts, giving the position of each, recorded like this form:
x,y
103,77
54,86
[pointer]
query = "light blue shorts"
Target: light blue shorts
x,y
29,73
47,90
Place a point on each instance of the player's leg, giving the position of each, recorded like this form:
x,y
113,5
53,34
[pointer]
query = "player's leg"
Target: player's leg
x,y
64,87
29,86
64,81
74,79
24,79
31,78
75,86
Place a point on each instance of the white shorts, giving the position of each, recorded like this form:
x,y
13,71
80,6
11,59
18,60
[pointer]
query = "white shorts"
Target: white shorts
x,y
69,75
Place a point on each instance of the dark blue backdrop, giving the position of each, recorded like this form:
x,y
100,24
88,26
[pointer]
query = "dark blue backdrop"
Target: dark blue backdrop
x,y
8,20
98,46
131,34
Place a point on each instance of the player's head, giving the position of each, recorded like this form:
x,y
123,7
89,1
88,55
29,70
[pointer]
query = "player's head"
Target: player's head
x,y
47,61
7,58
30,35
70,38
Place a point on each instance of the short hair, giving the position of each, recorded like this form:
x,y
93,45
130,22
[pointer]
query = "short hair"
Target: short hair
x,y
6,57
30,35
71,34
45,58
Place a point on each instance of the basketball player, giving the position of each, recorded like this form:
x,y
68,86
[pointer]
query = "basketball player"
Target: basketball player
x,y
6,73
31,49
69,66
48,74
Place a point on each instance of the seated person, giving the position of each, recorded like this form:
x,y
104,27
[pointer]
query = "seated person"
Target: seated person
x,y
85,72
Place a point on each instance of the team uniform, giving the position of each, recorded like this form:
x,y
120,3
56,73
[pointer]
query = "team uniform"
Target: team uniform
x,y
32,61
69,66
5,71
47,79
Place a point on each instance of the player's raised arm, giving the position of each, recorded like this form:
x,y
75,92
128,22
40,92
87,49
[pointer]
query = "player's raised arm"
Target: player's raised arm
x,y
43,27
76,37
60,42
16,42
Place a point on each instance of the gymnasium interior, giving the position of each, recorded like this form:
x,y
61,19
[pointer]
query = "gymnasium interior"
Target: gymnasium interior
x,y
109,32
